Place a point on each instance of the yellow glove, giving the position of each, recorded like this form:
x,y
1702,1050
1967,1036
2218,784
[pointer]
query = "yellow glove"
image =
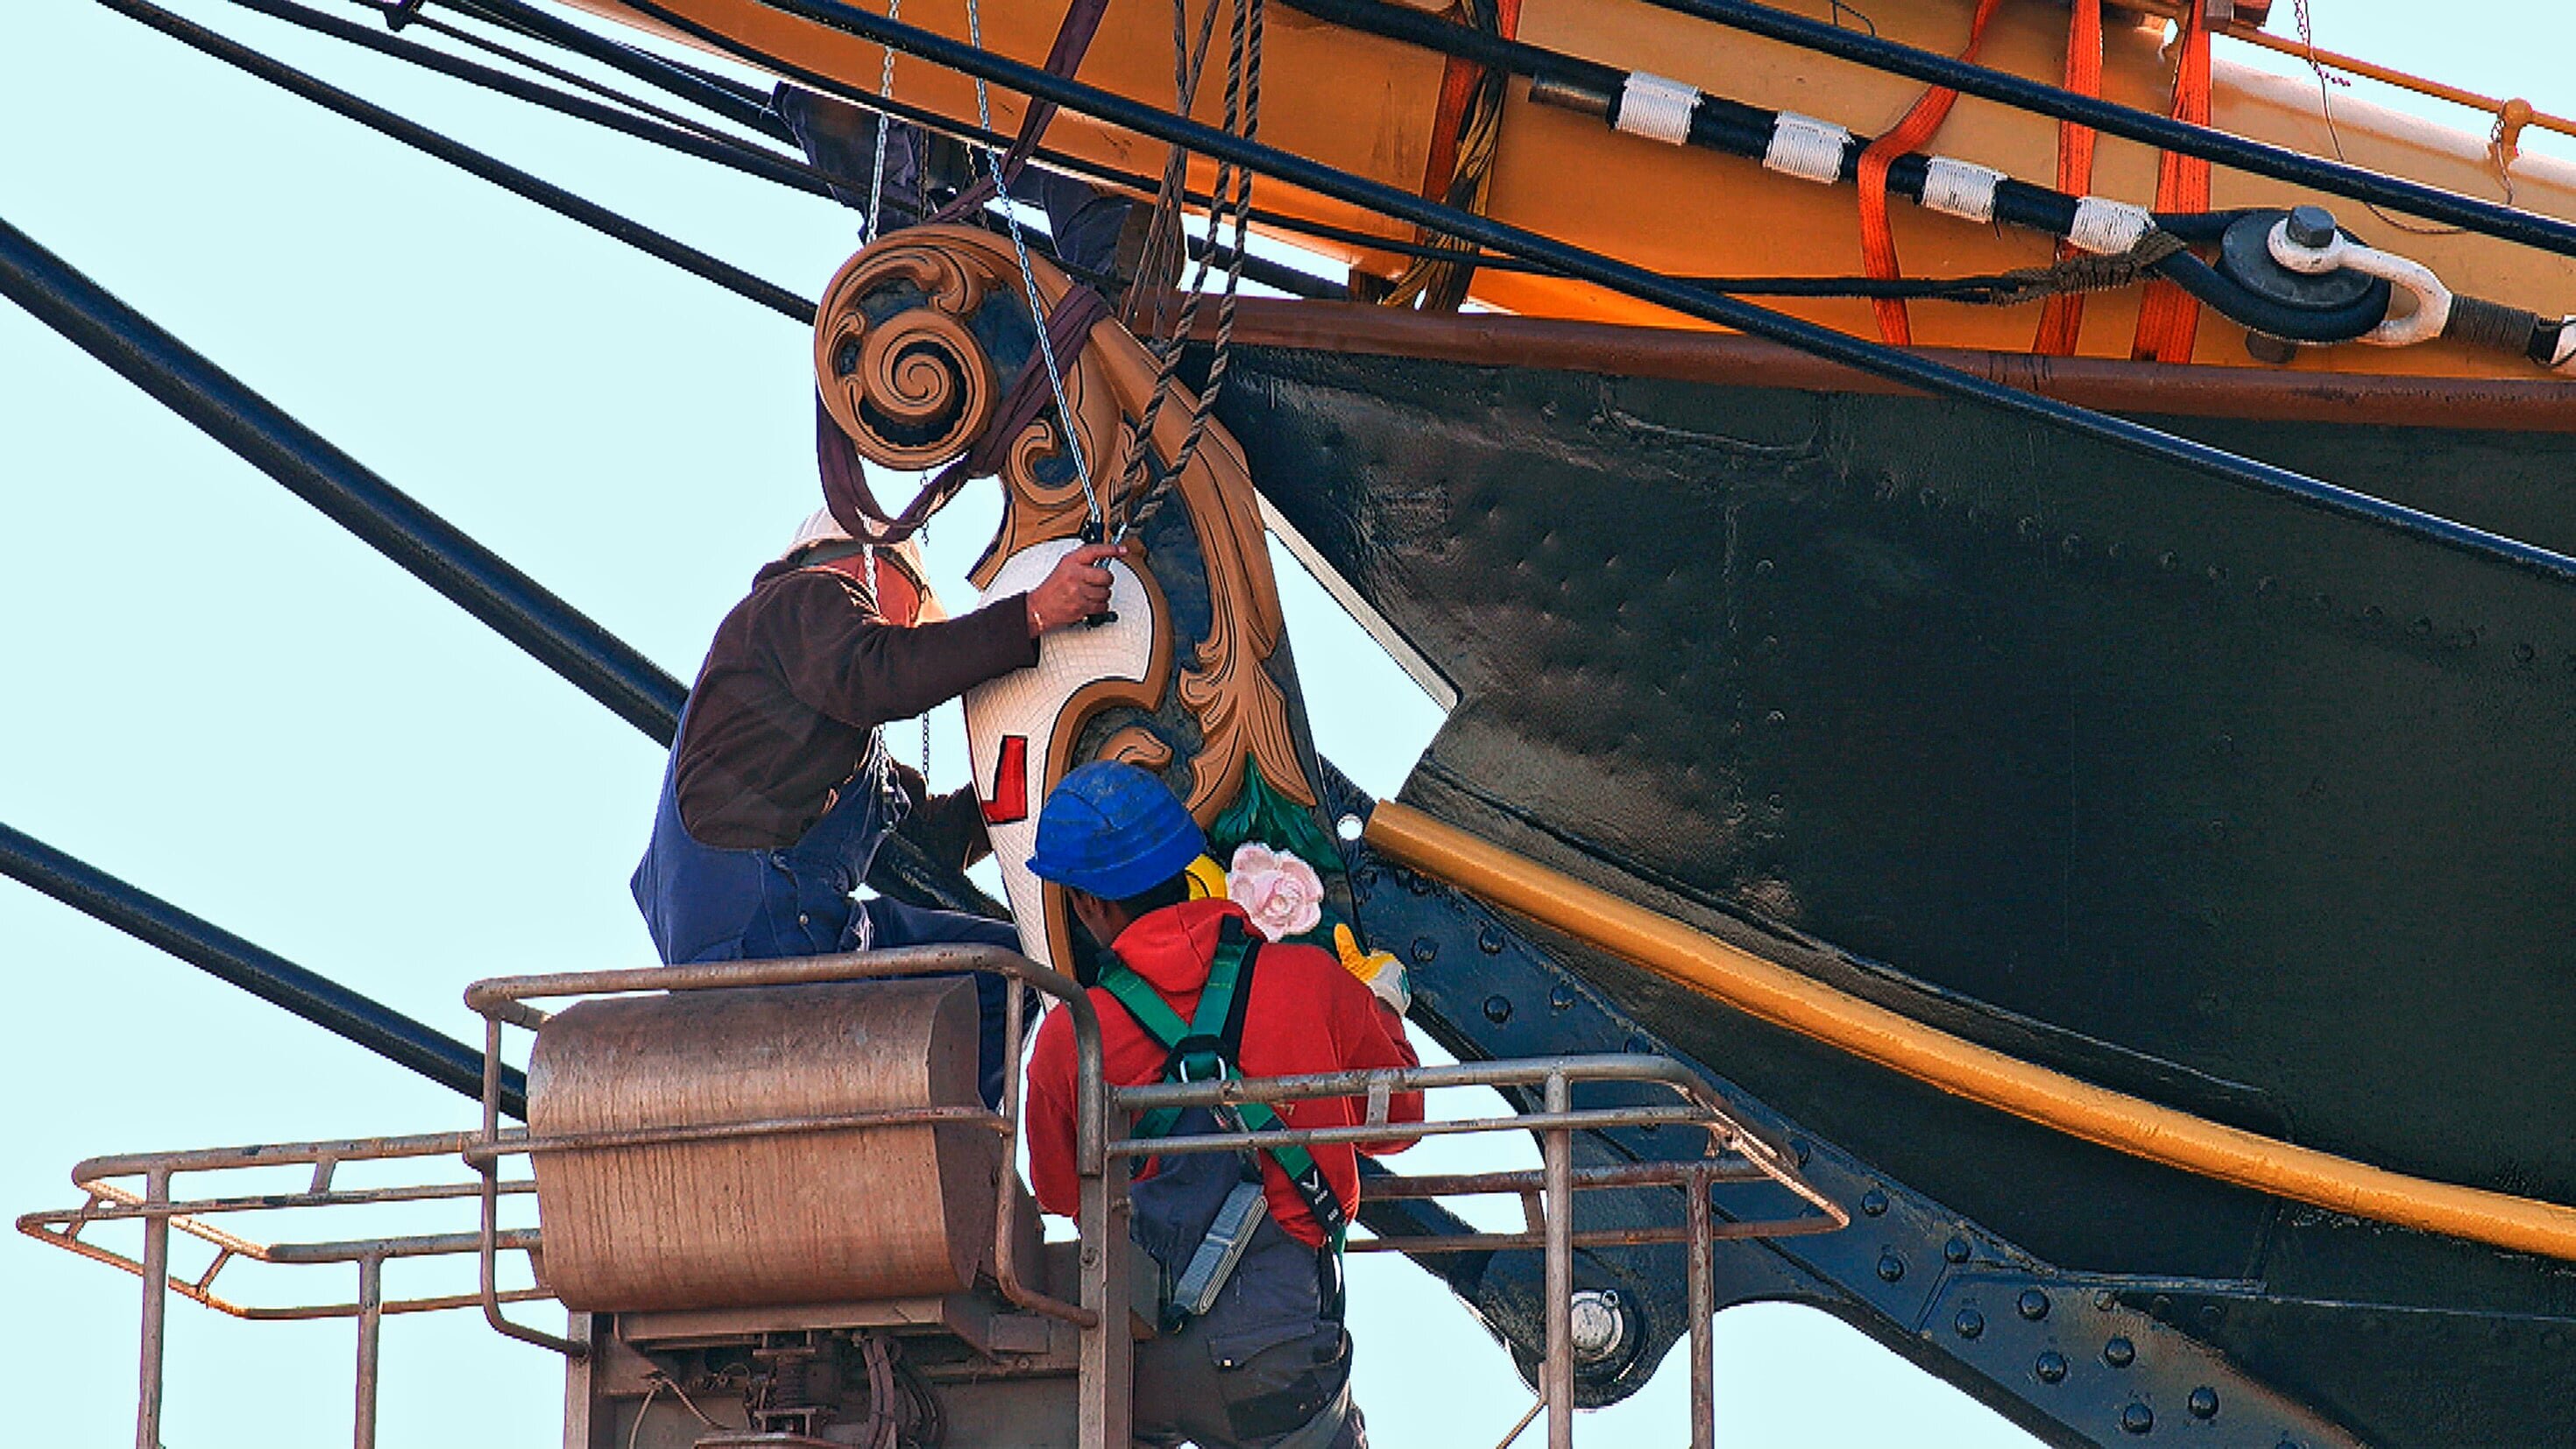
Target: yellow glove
x,y
1207,880
1378,970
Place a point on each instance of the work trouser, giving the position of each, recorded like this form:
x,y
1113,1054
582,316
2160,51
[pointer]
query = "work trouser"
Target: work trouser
x,y
1268,1367
841,141
893,924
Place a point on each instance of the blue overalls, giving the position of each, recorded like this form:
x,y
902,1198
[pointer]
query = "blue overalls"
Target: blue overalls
x,y
705,903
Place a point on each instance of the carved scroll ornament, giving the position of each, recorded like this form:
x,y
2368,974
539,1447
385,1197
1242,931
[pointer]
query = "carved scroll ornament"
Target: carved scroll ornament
x,y
902,353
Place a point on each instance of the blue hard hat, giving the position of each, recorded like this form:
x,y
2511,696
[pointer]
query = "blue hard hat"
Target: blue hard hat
x,y
1114,831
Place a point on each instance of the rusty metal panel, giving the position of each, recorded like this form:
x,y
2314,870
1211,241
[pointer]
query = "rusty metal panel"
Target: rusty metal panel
x,y
835,1215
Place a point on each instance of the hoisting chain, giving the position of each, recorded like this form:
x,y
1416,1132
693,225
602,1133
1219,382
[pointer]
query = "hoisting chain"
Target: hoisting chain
x,y
1230,204
1029,282
874,226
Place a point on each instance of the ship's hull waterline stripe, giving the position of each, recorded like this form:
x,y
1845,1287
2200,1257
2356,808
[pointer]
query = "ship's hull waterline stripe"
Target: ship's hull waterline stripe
x,y
1787,999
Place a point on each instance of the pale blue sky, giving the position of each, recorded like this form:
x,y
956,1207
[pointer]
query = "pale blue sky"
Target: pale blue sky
x,y
215,693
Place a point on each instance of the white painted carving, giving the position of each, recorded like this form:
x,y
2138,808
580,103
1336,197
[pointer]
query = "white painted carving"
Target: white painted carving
x,y
1030,703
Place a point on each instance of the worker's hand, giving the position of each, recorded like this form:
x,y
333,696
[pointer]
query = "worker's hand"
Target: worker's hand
x,y
1379,971
1077,589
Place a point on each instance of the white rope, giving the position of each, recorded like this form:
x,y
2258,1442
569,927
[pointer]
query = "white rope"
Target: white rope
x,y
1807,148
1960,188
1657,108
2108,228
874,226
1029,276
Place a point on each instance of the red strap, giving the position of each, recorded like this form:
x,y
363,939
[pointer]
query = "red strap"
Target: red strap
x,y
2062,319
1458,82
2168,316
1877,243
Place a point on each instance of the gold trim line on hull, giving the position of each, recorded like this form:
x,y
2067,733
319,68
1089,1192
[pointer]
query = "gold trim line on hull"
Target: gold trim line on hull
x,y
1785,998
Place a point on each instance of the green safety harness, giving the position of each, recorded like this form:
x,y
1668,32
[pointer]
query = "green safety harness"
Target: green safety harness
x,y
1208,1048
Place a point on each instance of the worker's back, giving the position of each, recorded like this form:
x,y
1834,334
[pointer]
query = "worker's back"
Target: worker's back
x,y
1304,1014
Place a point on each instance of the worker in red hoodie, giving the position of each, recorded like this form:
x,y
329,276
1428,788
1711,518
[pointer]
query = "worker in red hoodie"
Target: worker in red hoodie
x,y
1252,1352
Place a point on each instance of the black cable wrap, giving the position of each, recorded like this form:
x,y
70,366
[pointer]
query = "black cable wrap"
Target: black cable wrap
x,y
1894,364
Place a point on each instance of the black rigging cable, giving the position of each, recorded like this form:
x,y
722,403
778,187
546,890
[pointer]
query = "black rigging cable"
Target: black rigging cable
x,y
705,143
548,69
2000,289
272,978
2506,223
431,549
392,522
544,193
721,95
1894,364
1693,300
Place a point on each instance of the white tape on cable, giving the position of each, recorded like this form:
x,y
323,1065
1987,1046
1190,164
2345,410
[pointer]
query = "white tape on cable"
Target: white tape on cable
x,y
1960,188
2108,228
1807,148
1657,108
2565,352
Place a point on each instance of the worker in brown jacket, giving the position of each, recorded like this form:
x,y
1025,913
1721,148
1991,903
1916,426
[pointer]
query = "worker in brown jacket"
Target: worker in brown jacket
x,y
779,787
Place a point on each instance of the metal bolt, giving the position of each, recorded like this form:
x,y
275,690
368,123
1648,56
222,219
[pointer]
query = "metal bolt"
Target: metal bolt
x,y
2264,347
1498,1009
1890,1267
2051,1367
1873,1202
1598,1326
1490,940
2033,1304
1424,950
2203,1402
2310,226
1970,1323
1955,1250
2119,1353
1560,998
2138,1419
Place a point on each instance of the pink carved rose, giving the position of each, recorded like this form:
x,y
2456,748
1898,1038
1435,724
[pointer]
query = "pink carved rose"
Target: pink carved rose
x,y
1282,894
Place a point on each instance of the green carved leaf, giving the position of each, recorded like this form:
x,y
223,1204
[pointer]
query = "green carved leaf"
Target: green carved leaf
x,y
1260,813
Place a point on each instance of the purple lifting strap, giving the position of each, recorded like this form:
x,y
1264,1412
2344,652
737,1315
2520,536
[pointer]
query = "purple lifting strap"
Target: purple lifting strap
x,y
1072,39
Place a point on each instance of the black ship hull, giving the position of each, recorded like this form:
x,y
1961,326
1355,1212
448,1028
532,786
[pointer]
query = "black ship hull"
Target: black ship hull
x,y
2189,791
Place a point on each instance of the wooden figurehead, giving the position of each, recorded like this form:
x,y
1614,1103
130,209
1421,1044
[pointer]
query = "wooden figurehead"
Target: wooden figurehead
x,y
916,339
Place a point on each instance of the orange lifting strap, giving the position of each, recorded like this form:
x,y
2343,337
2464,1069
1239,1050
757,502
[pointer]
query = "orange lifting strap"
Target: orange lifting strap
x,y
1457,88
2062,319
2168,316
1877,243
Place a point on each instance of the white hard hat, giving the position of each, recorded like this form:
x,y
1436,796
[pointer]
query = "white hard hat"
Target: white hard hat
x,y
822,527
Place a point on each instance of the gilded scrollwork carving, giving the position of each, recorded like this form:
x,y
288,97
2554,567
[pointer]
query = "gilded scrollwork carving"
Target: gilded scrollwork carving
x,y
894,359
900,352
